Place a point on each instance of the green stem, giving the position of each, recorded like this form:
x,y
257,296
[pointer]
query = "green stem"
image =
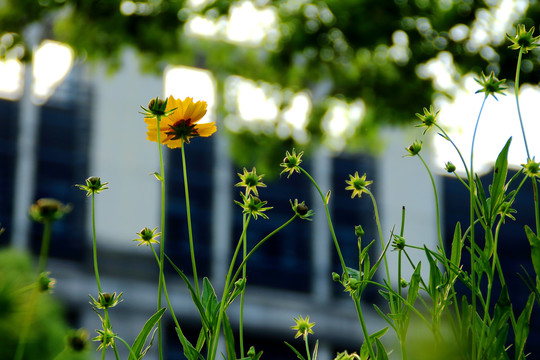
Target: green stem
x,y
472,191
516,91
307,346
379,229
94,245
364,327
213,343
437,212
536,205
340,256
45,243
190,232
162,242
42,263
167,297
242,295
455,147
229,281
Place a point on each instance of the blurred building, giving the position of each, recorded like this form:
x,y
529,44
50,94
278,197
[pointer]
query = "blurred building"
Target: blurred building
x,y
91,127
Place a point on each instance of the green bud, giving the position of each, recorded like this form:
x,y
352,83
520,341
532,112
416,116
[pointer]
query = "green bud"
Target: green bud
x,y
358,231
336,277
450,167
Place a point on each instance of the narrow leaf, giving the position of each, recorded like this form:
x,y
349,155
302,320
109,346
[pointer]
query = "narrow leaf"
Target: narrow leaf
x,y
535,249
139,342
522,327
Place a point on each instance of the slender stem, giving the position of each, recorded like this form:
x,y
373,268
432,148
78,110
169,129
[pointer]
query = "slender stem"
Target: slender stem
x,y
379,229
340,256
45,243
516,91
162,242
244,274
213,343
167,296
536,206
455,147
229,281
190,232
472,191
94,244
307,346
437,211
364,327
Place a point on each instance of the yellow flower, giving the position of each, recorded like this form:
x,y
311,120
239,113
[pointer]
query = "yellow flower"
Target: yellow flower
x,y
182,124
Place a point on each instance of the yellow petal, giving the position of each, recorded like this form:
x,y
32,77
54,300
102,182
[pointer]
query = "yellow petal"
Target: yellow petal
x,y
206,129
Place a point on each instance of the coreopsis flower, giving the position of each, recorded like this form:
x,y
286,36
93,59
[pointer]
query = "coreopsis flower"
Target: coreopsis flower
x,y
357,184
491,85
429,118
531,168
93,186
106,300
523,39
303,327
346,356
291,162
147,236
48,210
179,126
106,337
415,148
251,180
301,209
253,206
45,283
450,167
77,340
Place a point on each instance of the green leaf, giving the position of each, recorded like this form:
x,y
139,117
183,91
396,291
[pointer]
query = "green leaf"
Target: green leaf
x,y
457,246
141,339
189,351
209,300
381,351
194,295
499,176
535,249
295,351
522,327
379,334
229,338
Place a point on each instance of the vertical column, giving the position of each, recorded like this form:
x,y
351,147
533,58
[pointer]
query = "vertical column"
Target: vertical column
x,y
221,208
26,161
321,242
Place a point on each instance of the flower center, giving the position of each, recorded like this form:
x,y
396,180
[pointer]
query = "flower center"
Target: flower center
x,y
183,130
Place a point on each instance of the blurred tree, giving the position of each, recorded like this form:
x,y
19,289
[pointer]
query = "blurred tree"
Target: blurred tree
x,y
371,53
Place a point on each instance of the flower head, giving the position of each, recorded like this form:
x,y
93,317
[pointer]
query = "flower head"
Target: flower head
x,y
523,39
106,337
48,210
253,206
251,180
179,123
429,118
45,283
531,168
398,243
450,167
415,148
77,340
106,300
491,85
346,356
303,327
93,186
291,162
301,209
357,184
147,236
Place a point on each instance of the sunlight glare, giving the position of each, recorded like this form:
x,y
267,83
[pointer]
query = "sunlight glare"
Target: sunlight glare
x,y
11,79
183,81
51,64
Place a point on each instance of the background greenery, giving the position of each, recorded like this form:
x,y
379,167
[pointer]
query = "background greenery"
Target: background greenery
x,y
332,49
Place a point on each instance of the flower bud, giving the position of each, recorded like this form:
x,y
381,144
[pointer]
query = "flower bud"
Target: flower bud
x,y
48,210
450,167
403,283
358,231
336,277
415,148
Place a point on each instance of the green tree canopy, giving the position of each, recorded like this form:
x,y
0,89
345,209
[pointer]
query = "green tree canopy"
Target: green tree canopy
x,y
371,50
